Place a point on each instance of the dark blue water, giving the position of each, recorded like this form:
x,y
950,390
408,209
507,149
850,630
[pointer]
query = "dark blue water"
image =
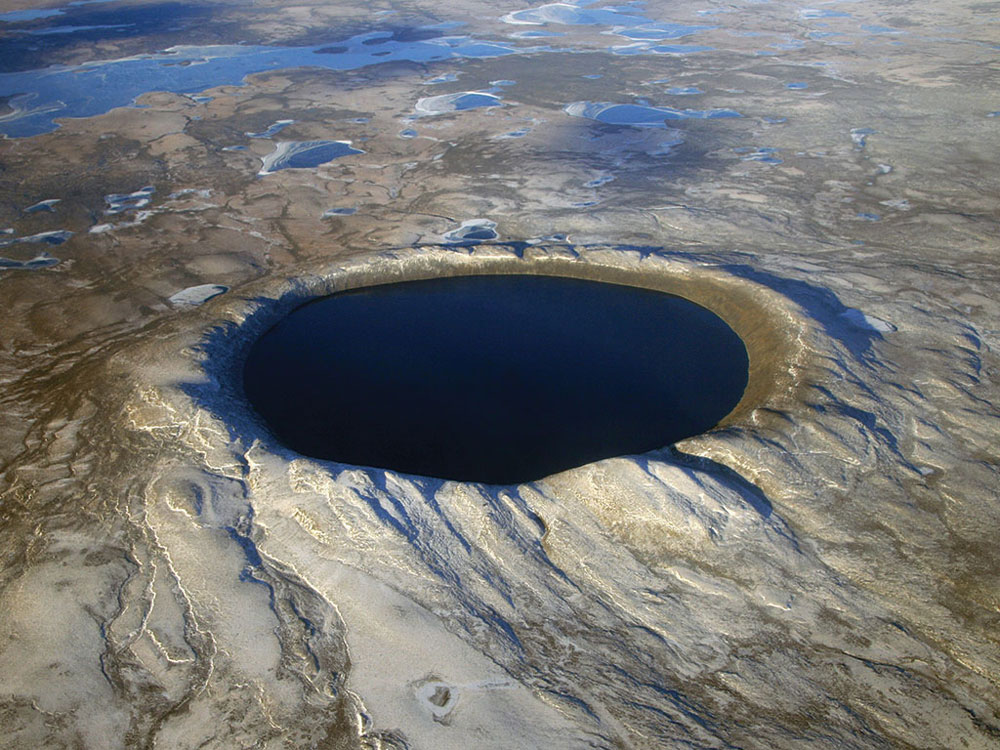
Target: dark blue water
x,y
497,379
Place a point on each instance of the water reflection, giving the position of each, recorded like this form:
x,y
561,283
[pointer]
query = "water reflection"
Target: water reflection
x,y
438,105
304,155
38,97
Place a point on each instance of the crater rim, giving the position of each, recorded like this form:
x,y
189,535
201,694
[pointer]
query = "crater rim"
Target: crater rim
x,y
764,320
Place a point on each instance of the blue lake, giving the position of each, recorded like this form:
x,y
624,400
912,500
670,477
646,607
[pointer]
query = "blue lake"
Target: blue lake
x,y
37,97
497,379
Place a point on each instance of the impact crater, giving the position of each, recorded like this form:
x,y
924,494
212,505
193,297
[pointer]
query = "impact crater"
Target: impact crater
x,y
503,374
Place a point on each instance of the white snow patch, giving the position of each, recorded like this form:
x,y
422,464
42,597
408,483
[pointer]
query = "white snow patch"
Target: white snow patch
x,y
197,295
862,320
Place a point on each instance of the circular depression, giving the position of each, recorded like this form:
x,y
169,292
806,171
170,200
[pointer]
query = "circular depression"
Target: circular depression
x,y
496,378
